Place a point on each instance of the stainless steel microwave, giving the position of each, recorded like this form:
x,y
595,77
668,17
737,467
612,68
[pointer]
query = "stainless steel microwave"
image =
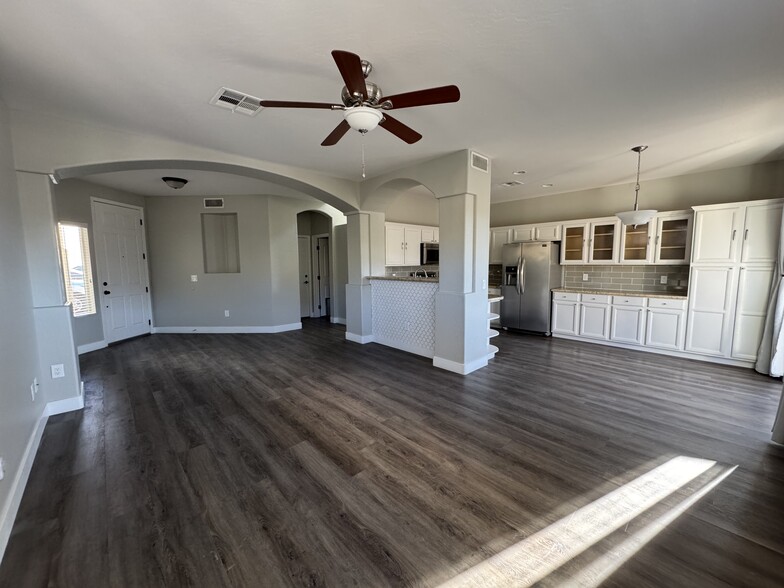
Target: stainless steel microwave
x,y
428,253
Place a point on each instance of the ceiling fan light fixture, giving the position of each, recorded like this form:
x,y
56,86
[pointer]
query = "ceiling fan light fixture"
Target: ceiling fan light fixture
x,y
174,183
637,217
362,118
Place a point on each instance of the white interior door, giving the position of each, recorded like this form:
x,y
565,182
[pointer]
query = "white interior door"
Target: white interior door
x,y
305,277
121,261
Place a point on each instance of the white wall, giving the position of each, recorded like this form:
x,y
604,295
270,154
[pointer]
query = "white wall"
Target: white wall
x,y
18,353
72,204
751,182
266,291
416,206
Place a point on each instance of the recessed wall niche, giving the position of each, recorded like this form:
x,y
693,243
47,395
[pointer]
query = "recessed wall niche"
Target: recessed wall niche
x,y
220,239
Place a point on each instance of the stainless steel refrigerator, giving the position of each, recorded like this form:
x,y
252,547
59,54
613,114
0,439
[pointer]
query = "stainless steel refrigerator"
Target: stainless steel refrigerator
x,y
530,271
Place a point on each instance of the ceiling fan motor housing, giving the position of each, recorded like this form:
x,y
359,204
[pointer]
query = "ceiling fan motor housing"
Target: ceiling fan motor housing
x,y
373,92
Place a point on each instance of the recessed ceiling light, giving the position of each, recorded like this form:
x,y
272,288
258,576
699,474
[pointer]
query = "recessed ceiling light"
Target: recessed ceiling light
x,y
512,183
547,185
519,172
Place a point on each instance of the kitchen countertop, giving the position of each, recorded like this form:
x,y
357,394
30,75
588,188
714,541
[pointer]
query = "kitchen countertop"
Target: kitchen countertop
x,y
621,293
403,279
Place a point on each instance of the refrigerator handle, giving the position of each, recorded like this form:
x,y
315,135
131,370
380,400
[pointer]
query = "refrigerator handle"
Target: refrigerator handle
x,y
521,281
517,282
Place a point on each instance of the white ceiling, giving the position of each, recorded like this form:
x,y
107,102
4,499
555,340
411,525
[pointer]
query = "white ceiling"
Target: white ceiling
x,y
559,88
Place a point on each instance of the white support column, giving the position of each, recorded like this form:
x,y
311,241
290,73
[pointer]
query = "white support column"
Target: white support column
x,y
366,257
461,303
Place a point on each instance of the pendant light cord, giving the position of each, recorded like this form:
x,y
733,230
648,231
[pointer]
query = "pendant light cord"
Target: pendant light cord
x,y
363,157
637,187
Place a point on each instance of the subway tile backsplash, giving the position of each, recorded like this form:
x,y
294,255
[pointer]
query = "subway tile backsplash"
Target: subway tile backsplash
x,y
404,270
631,278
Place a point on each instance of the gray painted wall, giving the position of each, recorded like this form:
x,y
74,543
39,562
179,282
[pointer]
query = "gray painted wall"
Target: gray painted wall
x,y
72,204
751,182
313,223
264,293
18,351
417,206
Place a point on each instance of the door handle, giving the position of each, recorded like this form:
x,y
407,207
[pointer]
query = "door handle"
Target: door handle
x,y
307,282
522,277
745,234
105,284
733,233
106,292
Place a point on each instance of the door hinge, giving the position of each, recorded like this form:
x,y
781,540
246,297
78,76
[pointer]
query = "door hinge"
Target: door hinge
x,y
319,307
146,289
318,248
144,256
149,322
318,277
141,222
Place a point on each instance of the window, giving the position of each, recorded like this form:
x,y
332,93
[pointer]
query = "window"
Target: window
x,y
221,243
77,270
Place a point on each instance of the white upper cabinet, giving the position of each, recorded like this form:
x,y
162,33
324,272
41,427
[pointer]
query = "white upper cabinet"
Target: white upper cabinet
x,y
550,232
413,237
524,233
761,233
717,235
574,244
636,243
603,241
402,242
395,240
429,234
498,238
672,244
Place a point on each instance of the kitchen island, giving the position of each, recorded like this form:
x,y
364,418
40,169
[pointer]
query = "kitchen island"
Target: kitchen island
x,y
404,313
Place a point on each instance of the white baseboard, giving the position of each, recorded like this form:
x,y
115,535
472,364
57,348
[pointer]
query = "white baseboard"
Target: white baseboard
x,y
459,368
228,330
359,338
66,405
671,353
88,347
11,507
339,320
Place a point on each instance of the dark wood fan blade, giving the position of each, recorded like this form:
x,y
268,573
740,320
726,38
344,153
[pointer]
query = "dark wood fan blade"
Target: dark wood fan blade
x,y
400,130
285,104
350,66
441,95
336,135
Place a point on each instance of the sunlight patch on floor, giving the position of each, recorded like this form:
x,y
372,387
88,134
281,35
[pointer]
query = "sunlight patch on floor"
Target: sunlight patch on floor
x,y
533,558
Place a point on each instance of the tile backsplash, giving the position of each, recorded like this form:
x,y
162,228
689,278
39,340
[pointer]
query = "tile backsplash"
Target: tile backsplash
x,y
641,278
404,270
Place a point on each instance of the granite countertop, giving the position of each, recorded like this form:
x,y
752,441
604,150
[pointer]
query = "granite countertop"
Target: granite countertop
x,y
403,279
670,295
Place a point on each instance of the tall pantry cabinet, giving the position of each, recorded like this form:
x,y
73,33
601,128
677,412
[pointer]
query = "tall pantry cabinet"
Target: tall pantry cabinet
x,y
734,261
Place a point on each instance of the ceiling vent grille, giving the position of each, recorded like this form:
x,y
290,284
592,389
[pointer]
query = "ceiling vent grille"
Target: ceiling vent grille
x,y
213,203
237,101
480,162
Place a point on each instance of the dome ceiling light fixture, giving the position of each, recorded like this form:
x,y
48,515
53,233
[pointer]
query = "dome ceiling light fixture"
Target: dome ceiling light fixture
x,y
174,183
637,217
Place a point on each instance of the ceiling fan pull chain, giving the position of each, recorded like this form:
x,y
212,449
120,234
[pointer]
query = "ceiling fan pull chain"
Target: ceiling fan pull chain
x,y
363,157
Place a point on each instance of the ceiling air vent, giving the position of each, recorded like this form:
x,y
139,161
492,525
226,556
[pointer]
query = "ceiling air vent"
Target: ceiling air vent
x,y
480,162
237,101
213,203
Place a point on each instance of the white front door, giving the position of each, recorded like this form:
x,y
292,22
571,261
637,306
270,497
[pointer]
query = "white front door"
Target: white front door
x,y
123,288
305,278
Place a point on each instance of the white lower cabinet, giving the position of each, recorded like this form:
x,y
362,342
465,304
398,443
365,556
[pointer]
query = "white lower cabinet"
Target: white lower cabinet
x,y
665,327
595,317
628,320
566,313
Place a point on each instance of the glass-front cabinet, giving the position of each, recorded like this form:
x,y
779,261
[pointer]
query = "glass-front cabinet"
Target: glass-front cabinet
x,y
636,243
603,241
574,243
673,239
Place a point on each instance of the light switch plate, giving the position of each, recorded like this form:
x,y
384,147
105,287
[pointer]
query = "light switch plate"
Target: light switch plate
x,y
663,280
585,277
226,313
58,370
194,278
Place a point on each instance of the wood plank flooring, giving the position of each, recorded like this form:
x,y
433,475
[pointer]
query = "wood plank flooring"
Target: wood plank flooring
x,y
300,459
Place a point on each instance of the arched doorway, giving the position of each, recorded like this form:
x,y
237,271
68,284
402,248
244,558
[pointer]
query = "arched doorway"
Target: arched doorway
x,y
314,231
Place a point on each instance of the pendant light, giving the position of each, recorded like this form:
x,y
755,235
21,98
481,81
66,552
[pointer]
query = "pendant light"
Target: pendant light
x,y
637,217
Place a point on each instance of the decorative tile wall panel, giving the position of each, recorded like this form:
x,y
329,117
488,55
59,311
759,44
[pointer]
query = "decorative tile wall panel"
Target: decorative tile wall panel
x,y
404,315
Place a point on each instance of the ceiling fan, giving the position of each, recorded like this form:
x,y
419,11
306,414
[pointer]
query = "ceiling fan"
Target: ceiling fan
x,y
363,102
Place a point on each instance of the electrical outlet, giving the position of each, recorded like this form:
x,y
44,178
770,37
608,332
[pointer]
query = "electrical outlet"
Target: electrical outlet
x,y
58,370
663,280
226,313
585,277
194,278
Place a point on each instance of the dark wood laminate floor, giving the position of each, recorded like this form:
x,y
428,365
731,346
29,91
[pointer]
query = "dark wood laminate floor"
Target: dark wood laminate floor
x,y
300,459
